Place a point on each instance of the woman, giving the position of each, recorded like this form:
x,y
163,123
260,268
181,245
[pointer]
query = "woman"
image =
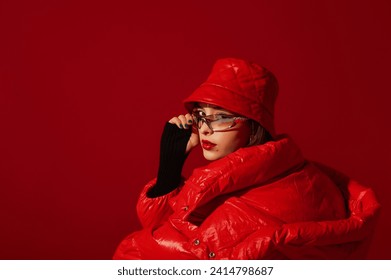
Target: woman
x,y
258,198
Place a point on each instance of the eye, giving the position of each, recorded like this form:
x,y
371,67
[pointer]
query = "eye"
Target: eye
x,y
199,113
224,116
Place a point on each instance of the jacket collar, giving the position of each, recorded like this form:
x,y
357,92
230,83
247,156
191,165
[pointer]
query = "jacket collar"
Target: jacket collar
x,y
256,165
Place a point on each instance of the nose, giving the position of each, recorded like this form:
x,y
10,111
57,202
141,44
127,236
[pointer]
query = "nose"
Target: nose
x,y
205,130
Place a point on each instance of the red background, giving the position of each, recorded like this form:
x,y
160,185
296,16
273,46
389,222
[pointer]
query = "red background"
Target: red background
x,y
85,88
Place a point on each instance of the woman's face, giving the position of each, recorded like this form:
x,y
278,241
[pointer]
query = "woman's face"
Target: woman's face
x,y
217,144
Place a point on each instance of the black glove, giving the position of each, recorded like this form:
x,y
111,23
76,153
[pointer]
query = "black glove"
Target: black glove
x,y
172,158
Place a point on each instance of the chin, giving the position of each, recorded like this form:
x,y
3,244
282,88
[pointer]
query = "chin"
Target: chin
x,y
211,155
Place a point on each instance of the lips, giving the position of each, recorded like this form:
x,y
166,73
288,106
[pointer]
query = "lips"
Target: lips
x,y
207,145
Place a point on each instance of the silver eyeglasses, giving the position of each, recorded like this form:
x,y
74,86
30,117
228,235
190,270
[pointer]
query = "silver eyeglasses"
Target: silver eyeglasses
x,y
218,122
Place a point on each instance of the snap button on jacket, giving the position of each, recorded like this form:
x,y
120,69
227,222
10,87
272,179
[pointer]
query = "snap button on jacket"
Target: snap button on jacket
x,y
260,202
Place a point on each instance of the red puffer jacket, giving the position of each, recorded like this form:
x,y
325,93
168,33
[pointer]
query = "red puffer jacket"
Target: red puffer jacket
x,y
260,202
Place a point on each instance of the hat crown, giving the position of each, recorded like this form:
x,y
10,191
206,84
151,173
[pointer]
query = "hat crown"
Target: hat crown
x,y
242,87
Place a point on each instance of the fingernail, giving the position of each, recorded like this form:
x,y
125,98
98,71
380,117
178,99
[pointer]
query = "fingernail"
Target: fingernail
x,y
181,126
186,126
190,121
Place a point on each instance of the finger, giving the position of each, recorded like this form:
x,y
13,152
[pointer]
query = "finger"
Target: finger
x,y
189,119
177,121
192,123
183,120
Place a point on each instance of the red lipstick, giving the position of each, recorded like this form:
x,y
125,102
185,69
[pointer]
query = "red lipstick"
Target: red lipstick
x,y
207,145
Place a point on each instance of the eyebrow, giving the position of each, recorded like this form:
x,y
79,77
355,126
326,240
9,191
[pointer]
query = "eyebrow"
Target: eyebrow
x,y
198,108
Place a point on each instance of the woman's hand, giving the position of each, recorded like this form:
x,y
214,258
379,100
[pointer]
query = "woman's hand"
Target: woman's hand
x,y
186,122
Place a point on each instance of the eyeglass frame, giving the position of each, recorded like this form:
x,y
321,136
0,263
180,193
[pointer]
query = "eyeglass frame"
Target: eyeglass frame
x,y
202,120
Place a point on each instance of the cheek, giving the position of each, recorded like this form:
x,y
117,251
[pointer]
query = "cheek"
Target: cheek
x,y
242,136
234,140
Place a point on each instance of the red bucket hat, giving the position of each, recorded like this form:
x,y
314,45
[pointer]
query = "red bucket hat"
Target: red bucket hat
x,y
242,87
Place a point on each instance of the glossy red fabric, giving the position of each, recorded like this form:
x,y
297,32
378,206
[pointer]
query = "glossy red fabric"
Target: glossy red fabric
x,y
241,87
260,202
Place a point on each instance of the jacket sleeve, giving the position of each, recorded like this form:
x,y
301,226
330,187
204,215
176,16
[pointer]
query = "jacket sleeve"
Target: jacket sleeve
x,y
153,211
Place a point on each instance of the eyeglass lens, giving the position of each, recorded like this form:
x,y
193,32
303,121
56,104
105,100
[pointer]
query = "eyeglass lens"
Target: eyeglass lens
x,y
220,123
